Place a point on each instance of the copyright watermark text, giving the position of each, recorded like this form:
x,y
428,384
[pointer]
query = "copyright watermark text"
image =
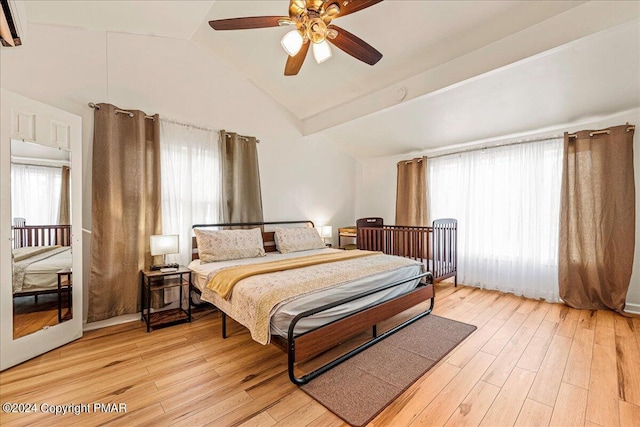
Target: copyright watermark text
x,y
70,408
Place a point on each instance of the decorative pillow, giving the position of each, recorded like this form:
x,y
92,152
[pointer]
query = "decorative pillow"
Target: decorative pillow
x,y
221,245
297,239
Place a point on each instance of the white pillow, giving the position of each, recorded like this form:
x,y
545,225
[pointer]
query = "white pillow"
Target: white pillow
x,y
221,245
297,239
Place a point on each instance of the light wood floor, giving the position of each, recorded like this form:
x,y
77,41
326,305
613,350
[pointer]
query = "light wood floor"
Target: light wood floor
x,y
30,316
528,363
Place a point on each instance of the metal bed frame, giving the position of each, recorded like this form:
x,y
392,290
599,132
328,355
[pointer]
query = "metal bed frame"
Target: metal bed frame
x,y
313,342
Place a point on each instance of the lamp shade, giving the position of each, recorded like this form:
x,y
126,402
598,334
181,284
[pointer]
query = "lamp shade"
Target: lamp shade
x,y
321,51
292,42
325,231
164,244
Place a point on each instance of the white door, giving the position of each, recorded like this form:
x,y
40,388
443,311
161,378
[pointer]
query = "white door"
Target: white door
x,y
37,136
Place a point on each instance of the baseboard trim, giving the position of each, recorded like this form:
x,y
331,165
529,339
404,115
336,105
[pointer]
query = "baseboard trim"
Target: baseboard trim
x,y
629,308
632,308
110,322
119,320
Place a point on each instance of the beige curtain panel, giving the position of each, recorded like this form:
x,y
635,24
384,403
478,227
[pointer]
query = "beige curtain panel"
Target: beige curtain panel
x,y
411,192
64,217
597,219
241,193
126,208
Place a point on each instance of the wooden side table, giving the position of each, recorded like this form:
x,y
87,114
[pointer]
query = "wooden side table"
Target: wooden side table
x,y
64,283
349,232
152,280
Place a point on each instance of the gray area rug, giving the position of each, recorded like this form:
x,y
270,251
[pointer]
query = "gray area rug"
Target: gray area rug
x,y
360,388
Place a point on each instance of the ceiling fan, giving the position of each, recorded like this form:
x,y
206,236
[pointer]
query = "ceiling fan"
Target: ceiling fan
x,y
312,19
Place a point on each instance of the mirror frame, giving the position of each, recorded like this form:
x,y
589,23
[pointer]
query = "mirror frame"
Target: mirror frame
x,y
24,119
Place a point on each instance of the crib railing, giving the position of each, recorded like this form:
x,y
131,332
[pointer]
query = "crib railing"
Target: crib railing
x,y
445,249
41,235
435,246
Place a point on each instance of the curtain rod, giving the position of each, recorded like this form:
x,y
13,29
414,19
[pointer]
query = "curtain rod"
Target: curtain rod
x,y
406,162
200,127
526,141
602,131
546,138
129,113
175,122
25,163
246,138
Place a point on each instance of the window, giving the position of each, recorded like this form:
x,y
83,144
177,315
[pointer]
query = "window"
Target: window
x,y
507,202
191,181
35,193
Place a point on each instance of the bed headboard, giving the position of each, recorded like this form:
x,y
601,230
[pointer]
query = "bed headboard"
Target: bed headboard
x,y
268,231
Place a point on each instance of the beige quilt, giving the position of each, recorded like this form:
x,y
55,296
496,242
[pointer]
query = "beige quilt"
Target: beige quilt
x,y
223,281
255,298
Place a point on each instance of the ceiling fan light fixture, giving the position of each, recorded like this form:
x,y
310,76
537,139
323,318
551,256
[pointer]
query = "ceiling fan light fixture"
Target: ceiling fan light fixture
x,y
333,11
321,51
313,24
292,42
316,30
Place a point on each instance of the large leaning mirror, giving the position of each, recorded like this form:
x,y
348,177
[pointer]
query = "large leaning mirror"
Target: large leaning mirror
x,y
40,178
41,246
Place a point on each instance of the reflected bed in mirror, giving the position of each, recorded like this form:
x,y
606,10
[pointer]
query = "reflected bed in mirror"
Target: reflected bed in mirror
x,y
41,231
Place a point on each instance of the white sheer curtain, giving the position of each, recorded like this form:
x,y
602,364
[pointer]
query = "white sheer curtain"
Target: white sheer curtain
x,y
506,200
35,193
191,182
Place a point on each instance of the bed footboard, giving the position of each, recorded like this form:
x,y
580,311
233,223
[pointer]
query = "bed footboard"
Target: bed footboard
x,y
313,342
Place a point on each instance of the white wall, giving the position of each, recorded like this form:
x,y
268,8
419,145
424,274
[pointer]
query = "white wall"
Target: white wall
x,y
302,178
376,183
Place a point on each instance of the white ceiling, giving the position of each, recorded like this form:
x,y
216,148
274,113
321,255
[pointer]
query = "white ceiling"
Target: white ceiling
x,y
178,19
413,36
470,69
593,77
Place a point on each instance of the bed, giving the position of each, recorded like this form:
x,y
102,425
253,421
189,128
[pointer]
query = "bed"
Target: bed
x,y
346,294
42,262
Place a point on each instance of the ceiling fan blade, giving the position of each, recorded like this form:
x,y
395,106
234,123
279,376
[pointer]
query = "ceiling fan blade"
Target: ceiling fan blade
x,y
249,22
351,6
294,63
355,46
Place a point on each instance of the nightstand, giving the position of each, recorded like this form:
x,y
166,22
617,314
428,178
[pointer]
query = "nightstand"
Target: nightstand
x,y
152,280
64,283
349,232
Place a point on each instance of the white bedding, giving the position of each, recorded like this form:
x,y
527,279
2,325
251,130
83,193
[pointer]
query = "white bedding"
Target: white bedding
x,y
42,274
284,313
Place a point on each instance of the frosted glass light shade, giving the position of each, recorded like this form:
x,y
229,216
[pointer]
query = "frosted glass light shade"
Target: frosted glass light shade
x,y
321,51
292,42
326,231
164,244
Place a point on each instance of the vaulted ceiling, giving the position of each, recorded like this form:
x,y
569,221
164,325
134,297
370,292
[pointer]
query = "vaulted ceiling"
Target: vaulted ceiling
x,y
452,71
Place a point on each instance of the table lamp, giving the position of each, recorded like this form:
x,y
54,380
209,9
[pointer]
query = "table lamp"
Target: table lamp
x,y
164,244
326,232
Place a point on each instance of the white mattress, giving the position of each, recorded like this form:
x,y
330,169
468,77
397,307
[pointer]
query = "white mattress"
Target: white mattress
x,y
42,275
285,313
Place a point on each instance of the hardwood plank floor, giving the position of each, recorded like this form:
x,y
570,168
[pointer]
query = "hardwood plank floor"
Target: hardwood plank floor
x,y
30,316
528,363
